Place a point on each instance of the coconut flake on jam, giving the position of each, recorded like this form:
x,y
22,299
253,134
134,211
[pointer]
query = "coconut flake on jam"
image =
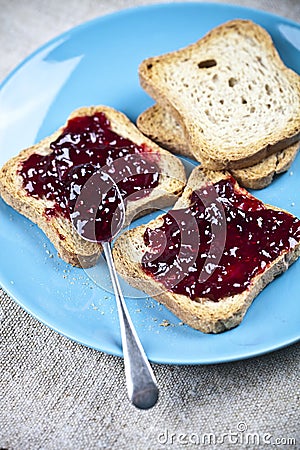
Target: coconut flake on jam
x,y
213,249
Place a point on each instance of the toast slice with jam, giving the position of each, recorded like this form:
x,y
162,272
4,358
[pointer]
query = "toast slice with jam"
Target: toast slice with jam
x,y
211,255
41,181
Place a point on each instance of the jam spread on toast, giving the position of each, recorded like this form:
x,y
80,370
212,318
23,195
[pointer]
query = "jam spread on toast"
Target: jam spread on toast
x,y
215,247
88,144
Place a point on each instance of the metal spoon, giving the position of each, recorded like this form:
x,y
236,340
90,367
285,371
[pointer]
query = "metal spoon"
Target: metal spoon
x,y
141,383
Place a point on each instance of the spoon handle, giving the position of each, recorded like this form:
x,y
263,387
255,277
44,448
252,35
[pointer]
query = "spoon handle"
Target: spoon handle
x,y
141,383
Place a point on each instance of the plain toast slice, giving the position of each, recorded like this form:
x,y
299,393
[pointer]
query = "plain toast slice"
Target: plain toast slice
x,y
160,126
235,99
70,246
203,313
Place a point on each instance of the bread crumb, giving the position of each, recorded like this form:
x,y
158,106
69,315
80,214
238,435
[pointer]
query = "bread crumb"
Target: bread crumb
x,y
95,307
165,323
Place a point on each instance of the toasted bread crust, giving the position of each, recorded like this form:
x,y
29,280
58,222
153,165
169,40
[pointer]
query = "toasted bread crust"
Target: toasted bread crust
x,y
241,108
160,126
70,246
204,315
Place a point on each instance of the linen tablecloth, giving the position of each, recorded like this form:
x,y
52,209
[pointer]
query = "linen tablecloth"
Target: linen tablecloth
x,y
57,394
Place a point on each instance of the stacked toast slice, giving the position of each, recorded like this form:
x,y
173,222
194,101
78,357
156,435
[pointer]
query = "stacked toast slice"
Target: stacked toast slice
x,y
228,101
161,127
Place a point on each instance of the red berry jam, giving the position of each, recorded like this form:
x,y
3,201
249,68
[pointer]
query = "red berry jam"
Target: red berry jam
x,y
86,145
215,247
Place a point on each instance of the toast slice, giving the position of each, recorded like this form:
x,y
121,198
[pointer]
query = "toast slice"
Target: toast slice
x,y
235,99
143,255
161,127
71,247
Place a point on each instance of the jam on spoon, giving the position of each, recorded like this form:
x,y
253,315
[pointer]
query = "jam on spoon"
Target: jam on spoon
x,y
86,144
100,202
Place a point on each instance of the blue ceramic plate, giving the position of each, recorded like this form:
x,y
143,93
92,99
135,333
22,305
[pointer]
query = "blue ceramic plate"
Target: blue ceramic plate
x,y
96,63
